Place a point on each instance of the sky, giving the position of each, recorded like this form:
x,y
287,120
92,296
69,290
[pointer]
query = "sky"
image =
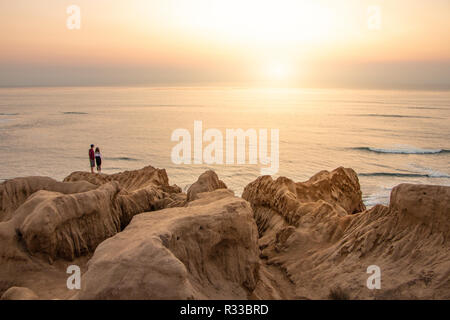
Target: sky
x,y
398,44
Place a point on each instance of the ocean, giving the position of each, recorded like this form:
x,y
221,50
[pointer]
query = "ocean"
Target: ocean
x,y
387,137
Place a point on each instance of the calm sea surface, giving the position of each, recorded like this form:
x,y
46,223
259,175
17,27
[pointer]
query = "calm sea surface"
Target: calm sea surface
x,y
387,137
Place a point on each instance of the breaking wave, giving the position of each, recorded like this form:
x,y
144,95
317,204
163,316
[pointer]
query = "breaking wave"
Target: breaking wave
x,y
122,159
403,150
405,175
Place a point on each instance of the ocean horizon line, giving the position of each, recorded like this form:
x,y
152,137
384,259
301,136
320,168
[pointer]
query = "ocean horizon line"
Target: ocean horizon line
x,y
226,86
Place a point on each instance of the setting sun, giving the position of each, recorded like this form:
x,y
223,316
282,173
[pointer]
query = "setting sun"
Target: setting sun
x,y
278,71
250,42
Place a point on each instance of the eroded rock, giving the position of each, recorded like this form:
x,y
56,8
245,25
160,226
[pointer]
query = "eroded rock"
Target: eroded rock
x,y
19,293
208,181
315,234
207,250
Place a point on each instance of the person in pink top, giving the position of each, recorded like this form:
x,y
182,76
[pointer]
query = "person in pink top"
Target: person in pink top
x,y
92,158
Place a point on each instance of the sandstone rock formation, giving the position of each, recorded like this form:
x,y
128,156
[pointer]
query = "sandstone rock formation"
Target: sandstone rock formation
x,y
14,192
18,293
135,236
319,239
208,181
46,220
207,250
145,189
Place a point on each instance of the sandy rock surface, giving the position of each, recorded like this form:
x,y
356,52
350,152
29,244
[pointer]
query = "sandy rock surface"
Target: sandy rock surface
x,y
323,244
135,236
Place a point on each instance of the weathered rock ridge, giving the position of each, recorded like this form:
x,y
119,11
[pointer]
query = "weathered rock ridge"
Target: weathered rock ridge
x,y
137,237
206,250
43,220
315,233
208,181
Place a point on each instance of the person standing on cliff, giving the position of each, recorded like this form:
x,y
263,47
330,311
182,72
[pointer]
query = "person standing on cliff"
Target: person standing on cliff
x,y
98,159
92,158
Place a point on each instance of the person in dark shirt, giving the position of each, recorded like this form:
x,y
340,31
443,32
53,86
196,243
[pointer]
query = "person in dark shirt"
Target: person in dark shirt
x,y
98,159
92,158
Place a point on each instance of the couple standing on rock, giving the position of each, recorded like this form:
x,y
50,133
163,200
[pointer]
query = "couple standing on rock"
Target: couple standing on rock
x,y
95,158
